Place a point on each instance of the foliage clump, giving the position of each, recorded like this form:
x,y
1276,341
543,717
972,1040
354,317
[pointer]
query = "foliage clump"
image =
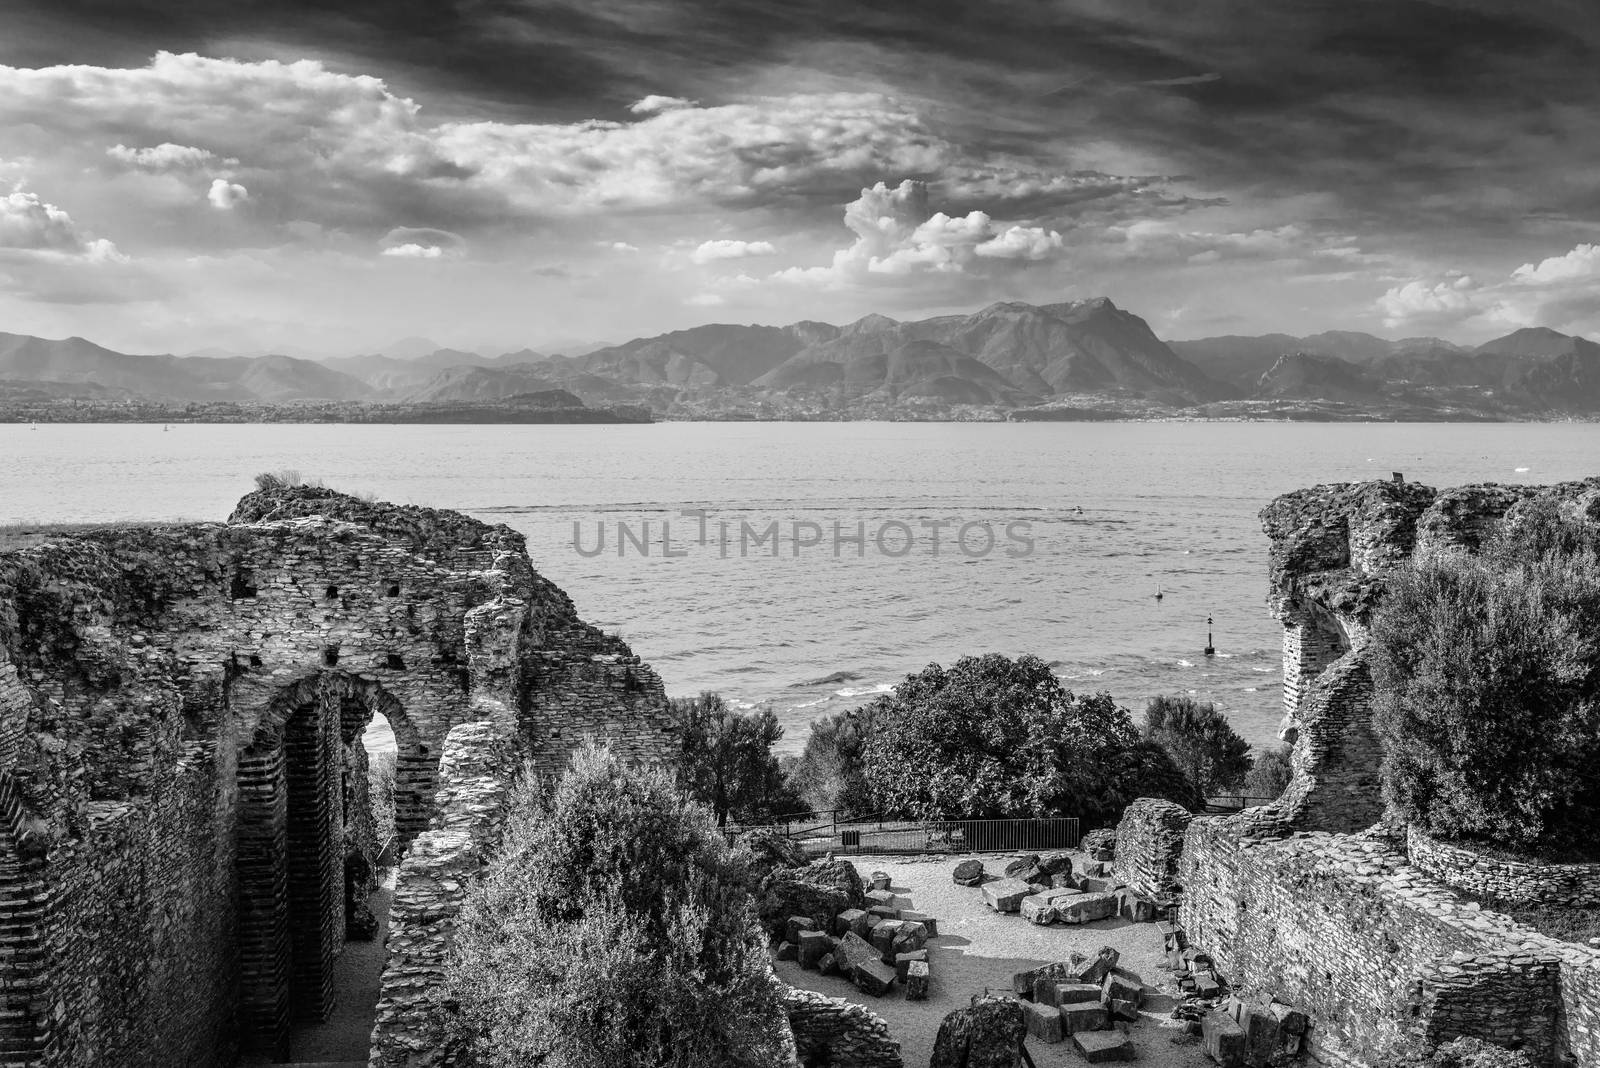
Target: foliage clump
x,y
615,929
991,737
830,773
1269,773
1487,688
725,759
1200,741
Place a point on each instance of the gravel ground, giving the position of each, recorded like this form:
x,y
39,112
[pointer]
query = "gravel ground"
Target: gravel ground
x,y
979,950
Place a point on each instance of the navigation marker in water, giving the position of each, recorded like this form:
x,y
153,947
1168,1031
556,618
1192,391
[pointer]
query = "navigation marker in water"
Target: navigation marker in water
x,y
1211,650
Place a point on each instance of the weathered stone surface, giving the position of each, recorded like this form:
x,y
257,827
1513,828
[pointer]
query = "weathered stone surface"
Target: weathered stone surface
x,y
770,850
1006,895
879,881
903,961
840,873
1044,1022
854,951
1122,997
1059,863
929,924
883,912
917,981
792,892
850,920
811,947
829,963
882,939
1064,881
911,936
787,951
1149,845
1086,908
1015,868
968,873
794,925
880,897
1024,983
1100,844
1079,1016
1102,1047
1075,993
988,1034
1224,1040
874,977
1097,967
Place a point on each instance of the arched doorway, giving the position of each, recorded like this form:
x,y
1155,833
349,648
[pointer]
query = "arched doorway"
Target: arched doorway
x,y
302,813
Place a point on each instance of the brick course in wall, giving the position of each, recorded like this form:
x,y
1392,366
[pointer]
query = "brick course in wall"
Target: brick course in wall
x,y
1149,846
838,1033
1506,881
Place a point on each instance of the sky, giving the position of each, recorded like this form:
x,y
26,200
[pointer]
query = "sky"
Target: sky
x,y
328,176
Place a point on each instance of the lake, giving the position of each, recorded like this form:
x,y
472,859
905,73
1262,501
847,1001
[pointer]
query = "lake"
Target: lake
x,y
814,564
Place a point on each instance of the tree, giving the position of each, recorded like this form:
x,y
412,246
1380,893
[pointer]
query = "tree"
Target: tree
x,y
614,929
992,737
1270,772
830,773
725,759
1487,688
1199,740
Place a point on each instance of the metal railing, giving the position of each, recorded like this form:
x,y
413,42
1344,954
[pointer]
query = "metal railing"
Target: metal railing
x,y
870,834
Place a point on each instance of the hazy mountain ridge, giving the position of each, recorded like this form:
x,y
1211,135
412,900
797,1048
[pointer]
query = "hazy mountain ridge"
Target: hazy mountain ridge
x,y
1059,359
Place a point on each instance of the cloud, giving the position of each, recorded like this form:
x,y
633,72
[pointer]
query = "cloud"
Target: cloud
x,y
414,252
167,157
29,224
421,242
652,104
1561,292
619,246
225,195
706,300
896,236
709,251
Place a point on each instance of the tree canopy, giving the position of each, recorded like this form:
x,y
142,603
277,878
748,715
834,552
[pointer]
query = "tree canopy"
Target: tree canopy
x,y
725,759
1270,772
615,929
830,773
1487,688
991,737
1200,741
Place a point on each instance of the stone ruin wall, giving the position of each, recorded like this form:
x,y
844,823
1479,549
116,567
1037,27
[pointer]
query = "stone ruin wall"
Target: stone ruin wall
x,y
1363,930
180,712
839,1033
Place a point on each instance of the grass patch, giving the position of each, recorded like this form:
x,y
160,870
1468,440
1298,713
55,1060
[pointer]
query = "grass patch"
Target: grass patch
x,y
15,536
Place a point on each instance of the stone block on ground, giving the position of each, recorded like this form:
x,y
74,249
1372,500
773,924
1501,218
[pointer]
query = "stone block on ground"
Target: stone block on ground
x,y
879,880
1044,1022
1059,863
1075,993
1290,1020
1263,1035
874,977
1038,909
787,951
1063,880
911,937
968,873
917,981
1099,885
829,964
1015,868
1096,842
1024,982
1121,997
854,951
1103,1047
884,912
1134,906
1087,908
883,937
850,920
796,924
904,961
1206,985
879,897
1096,968
1006,895
1224,1039
1083,1016
811,947
929,924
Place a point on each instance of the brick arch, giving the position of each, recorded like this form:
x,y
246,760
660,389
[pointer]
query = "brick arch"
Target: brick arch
x,y
291,849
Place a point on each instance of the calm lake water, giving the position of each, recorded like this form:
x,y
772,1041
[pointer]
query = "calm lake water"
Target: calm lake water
x,y
1087,520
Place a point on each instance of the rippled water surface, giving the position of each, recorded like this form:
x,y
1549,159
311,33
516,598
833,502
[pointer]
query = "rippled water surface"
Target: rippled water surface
x,y
1099,517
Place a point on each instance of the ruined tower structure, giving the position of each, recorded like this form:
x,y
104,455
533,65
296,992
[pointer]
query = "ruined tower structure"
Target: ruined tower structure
x,y
185,840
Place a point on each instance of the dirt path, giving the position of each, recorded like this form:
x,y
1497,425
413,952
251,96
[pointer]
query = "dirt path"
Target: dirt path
x,y
347,1034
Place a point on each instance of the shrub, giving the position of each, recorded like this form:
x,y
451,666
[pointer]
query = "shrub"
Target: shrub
x,y
1199,740
271,480
725,759
615,929
830,773
992,737
380,793
1487,690
1270,772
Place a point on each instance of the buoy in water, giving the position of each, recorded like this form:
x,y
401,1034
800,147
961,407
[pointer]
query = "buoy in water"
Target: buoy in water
x,y
1211,650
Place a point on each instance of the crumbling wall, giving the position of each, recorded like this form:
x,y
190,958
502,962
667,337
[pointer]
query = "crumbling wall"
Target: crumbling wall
x,y
838,1033
1376,951
180,713
1332,550
1150,845
1502,879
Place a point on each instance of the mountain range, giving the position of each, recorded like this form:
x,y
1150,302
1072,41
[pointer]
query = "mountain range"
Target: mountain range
x,y
1010,357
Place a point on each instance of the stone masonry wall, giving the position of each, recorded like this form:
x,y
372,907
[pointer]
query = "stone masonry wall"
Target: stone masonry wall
x,y
163,826
1377,951
1507,881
